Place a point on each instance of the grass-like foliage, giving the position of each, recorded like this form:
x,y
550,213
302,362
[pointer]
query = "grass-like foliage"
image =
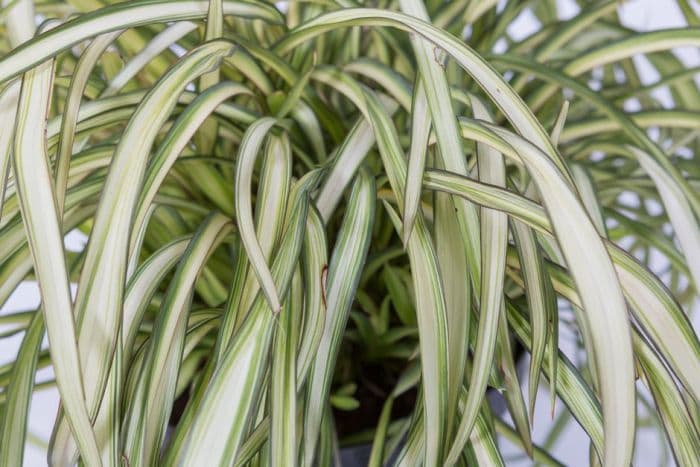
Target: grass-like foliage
x,y
301,212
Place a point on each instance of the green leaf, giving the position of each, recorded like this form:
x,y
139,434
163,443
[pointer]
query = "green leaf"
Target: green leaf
x,y
541,305
344,269
175,142
38,205
250,145
491,82
119,16
349,156
216,432
494,234
15,412
155,46
400,297
681,431
571,387
420,130
283,387
8,109
314,270
155,392
345,403
101,287
83,69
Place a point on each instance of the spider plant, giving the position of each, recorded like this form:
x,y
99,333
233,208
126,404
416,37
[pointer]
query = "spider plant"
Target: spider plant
x,y
278,196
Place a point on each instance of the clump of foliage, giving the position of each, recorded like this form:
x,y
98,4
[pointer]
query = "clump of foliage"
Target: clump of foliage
x,y
289,207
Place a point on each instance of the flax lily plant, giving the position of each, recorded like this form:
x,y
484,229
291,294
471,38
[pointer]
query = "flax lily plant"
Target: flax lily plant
x,y
277,196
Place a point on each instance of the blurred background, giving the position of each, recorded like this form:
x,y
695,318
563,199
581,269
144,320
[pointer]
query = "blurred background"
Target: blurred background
x,y
570,445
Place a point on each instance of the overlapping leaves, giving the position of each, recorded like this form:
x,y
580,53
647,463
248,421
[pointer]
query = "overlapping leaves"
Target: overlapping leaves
x,y
277,198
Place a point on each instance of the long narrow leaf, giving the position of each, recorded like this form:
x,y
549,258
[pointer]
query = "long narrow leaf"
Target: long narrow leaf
x,y
341,281
42,226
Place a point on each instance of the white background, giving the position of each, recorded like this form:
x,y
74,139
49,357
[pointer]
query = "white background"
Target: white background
x,y
572,447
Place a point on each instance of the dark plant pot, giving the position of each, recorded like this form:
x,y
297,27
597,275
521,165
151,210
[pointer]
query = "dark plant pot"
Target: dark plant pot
x,y
355,456
358,456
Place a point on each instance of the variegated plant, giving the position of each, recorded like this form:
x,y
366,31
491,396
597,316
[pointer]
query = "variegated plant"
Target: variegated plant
x,y
277,194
